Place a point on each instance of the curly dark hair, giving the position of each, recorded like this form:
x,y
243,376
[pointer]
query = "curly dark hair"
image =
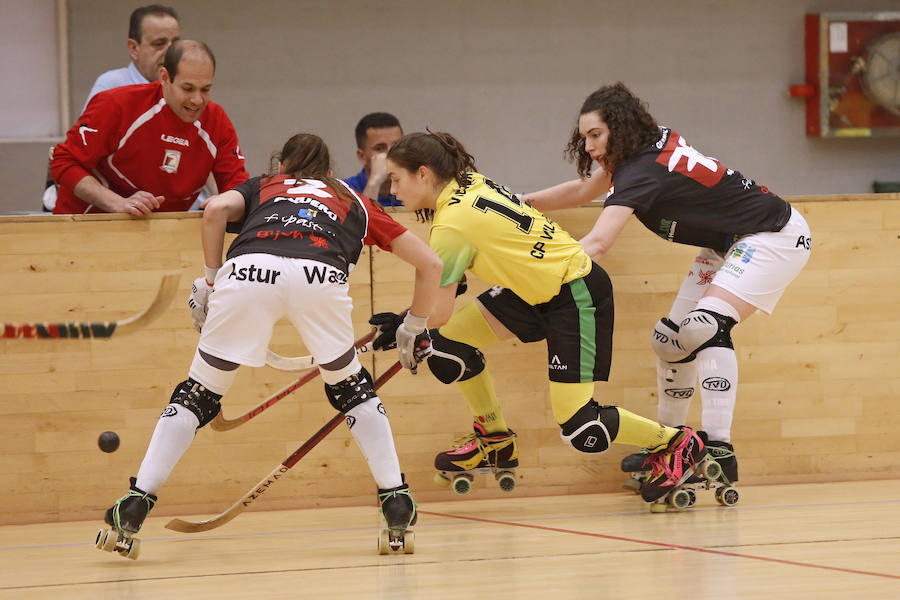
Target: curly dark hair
x,y
631,128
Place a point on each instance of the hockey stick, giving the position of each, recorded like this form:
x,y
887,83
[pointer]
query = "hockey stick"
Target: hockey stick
x,y
75,329
301,363
220,423
269,480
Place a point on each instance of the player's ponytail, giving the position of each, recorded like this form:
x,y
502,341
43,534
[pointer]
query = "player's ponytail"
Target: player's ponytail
x,y
439,151
306,156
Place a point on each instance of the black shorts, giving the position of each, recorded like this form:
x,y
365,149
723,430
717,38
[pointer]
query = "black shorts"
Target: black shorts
x,y
577,324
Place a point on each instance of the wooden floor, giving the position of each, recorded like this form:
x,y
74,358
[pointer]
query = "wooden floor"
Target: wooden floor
x,y
838,540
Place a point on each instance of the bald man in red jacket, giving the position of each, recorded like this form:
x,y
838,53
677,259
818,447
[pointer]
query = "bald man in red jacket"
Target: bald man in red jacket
x,y
146,148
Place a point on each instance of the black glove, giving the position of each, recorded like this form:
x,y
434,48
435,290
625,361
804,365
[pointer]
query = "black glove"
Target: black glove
x,y
387,324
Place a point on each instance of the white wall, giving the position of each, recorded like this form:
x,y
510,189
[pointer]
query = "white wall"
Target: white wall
x,y
507,77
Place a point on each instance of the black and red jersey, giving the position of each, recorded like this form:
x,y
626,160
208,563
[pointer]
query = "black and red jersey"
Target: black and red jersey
x,y
305,218
688,198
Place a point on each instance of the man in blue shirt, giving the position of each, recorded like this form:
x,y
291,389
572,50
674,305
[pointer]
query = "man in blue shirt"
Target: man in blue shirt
x,y
151,30
375,134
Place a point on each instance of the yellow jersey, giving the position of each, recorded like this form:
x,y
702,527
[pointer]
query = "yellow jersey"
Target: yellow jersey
x,y
484,228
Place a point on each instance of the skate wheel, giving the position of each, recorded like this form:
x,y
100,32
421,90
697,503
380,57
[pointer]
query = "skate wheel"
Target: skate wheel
x,y
680,499
507,480
409,542
712,470
728,496
384,542
462,484
441,480
134,550
658,507
107,539
632,485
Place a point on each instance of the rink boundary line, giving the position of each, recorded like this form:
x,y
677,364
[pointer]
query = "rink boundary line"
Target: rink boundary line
x,y
661,544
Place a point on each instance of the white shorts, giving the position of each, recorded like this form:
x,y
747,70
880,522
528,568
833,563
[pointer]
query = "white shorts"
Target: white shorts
x,y
254,291
757,268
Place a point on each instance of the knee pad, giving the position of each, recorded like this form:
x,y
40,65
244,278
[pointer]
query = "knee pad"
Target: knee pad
x,y
699,329
592,428
453,361
196,398
351,392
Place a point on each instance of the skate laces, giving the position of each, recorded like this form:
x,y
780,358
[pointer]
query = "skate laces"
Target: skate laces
x,y
659,461
384,495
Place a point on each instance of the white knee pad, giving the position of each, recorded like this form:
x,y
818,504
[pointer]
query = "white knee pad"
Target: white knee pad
x,y
700,328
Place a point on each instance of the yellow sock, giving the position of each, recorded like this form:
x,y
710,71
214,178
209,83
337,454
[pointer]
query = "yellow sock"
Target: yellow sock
x,y
468,326
566,399
479,393
635,430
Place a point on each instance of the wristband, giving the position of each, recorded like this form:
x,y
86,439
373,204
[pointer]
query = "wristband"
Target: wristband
x,y
211,275
414,323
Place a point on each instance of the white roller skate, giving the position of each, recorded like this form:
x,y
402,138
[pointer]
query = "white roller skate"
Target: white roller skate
x,y
126,517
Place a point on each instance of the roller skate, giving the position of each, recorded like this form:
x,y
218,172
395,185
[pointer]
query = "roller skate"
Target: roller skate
x,y
399,511
668,485
125,518
633,464
479,453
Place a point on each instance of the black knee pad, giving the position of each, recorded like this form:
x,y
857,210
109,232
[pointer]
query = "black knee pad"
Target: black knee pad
x,y
194,396
351,392
453,361
592,428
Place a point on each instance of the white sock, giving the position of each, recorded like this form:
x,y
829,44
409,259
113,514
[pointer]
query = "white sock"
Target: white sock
x,y
718,371
717,305
172,437
372,431
675,386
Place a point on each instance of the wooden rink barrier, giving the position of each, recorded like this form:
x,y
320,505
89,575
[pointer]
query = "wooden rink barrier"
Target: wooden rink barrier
x,y
815,401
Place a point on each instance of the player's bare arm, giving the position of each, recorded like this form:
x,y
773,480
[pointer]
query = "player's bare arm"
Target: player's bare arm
x,y
138,204
409,248
609,224
220,209
571,193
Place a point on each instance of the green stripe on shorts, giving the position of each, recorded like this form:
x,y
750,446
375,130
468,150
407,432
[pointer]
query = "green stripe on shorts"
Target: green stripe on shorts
x,y
587,328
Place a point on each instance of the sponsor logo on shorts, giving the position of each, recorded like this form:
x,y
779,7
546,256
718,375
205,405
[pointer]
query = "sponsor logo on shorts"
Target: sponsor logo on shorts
x,y
495,291
743,252
803,242
716,384
254,274
557,365
679,392
323,274
733,270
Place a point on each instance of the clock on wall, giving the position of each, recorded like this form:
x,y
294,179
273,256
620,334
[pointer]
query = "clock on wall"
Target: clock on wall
x,y
852,84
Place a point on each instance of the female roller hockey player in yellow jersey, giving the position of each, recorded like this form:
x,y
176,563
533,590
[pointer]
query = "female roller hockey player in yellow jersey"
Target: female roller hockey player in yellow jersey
x,y
545,288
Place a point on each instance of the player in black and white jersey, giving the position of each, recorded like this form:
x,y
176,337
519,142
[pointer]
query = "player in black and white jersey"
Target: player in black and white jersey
x,y
752,245
301,233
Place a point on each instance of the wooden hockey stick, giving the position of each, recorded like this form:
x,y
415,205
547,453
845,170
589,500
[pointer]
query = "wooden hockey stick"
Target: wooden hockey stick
x,y
167,289
269,480
301,363
220,423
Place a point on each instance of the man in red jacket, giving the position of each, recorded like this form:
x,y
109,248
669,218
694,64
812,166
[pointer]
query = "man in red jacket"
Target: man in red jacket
x,y
145,148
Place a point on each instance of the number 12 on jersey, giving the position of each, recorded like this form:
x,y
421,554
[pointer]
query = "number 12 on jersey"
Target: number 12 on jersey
x,y
524,222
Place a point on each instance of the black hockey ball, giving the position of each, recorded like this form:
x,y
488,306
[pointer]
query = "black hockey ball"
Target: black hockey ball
x,y
108,441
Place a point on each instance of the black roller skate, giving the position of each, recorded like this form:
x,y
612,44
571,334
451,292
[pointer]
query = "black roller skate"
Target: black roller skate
x,y
726,493
479,453
634,465
126,517
399,511
686,455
